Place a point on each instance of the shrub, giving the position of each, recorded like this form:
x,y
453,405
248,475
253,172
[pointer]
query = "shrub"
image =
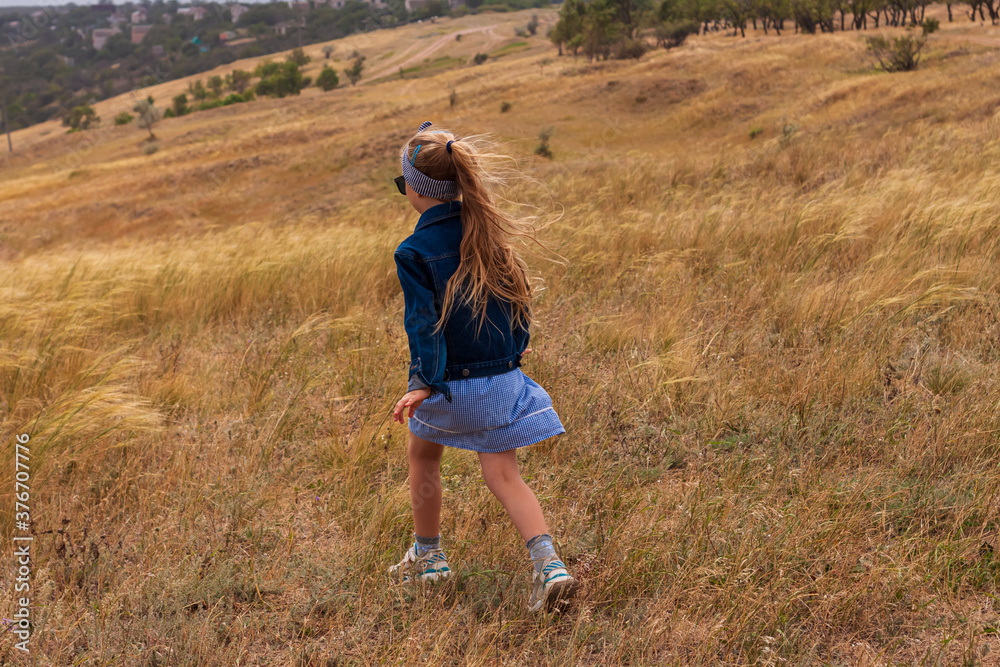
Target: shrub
x,y
215,83
543,143
197,90
148,115
232,98
327,51
249,95
900,55
631,48
458,37
788,130
169,113
756,132
520,32
210,104
238,80
480,58
124,118
930,25
504,107
672,34
298,56
354,71
266,69
180,105
532,26
150,149
81,118
328,79
286,81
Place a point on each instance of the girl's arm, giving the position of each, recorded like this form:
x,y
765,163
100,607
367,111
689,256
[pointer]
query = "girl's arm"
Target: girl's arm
x,y
428,353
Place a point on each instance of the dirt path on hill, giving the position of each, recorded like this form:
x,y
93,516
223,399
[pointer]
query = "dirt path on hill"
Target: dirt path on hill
x,y
431,48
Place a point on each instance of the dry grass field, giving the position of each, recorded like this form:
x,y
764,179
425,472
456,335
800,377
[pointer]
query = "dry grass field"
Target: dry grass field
x,y
776,358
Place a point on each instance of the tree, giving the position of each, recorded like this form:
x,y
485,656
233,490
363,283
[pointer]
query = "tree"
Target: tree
x,y
148,115
354,71
630,15
532,26
570,23
600,29
328,79
328,51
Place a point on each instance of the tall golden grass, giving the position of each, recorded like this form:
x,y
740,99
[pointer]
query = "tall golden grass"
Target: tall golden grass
x,y
775,358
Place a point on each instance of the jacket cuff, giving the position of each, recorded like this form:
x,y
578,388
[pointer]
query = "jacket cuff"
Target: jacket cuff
x,y
417,382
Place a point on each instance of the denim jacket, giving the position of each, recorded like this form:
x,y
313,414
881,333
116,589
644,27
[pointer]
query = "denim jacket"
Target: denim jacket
x,y
425,261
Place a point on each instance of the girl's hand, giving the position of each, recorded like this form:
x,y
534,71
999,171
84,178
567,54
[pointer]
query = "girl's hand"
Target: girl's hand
x,y
412,400
526,352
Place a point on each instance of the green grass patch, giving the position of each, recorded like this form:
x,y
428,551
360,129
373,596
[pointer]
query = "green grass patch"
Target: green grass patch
x,y
506,49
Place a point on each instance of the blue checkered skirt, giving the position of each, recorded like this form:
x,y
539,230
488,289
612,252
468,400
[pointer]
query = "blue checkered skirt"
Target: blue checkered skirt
x,y
488,414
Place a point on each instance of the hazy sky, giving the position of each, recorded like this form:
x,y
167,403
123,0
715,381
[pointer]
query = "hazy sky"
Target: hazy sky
x,y
7,4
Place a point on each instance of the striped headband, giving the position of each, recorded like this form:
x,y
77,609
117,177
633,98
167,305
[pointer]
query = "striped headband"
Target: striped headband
x,y
420,182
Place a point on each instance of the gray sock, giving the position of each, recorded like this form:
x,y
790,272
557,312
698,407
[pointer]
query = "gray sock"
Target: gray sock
x,y
539,548
425,544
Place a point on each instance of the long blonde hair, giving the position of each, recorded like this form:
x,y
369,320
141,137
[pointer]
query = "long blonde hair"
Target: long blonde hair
x,y
489,265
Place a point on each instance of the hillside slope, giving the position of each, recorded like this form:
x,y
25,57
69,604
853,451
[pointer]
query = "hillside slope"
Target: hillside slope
x,y
773,340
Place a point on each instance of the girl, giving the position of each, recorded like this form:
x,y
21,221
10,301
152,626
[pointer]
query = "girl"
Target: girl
x,y
466,317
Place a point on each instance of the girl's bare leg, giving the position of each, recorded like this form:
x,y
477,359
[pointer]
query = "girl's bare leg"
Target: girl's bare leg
x,y
425,486
504,479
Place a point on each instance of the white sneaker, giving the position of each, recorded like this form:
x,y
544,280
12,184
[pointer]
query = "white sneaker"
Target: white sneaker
x,y
553,586
432,566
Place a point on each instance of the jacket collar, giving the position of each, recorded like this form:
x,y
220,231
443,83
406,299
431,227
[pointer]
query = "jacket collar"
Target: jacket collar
x,y
439,212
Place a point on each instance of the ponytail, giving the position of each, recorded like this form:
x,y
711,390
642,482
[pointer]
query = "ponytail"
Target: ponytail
x,y
489,266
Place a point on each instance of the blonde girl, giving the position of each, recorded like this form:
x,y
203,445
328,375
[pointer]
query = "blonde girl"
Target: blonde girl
x,y
467,316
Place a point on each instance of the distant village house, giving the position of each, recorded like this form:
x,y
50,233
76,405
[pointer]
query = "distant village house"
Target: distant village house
x,y
236,11
139,32
283,27
197,13
138,16
99,37
416,5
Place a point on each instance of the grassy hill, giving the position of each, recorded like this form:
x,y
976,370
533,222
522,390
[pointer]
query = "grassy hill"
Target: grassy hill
x,y
773,342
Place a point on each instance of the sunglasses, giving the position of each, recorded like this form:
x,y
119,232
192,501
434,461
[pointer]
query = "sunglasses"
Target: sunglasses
x,y
401,184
